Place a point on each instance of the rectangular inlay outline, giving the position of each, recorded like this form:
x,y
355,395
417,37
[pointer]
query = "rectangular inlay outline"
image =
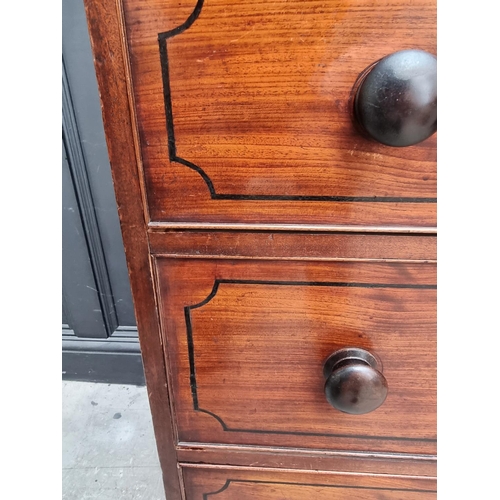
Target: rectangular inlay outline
x,y
192,367
172,149
229,481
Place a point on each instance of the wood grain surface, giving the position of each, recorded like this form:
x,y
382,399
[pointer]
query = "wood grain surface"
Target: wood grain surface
x,y
307,459
244,111
296,245
260,232
247,341
217,483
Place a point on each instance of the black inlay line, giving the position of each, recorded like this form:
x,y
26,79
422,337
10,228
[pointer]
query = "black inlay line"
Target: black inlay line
x,y
172,150
225,487
327,283
203,174
286,483
192,370
359,199
211,295
315,434
167,99
185,25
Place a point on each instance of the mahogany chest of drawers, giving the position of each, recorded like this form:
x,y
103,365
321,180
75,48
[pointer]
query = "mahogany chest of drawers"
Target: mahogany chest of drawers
x,y
275,174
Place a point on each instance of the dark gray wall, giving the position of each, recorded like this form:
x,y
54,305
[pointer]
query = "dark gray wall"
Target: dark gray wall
x,y
99,333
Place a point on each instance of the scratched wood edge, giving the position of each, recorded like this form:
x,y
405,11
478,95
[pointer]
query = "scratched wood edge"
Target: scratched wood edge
x,y
296,259
155,226
301,471
275,245
132,109
104,19
405,481
300,458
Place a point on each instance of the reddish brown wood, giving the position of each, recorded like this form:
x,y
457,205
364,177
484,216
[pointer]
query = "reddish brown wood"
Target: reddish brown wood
x,y
260,99
248,339
259,95
308,228
276,245
106,38
231,483
299,458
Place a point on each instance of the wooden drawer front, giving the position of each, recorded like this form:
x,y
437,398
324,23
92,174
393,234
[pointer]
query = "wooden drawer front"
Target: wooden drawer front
x,y
247,341
244,116
246,484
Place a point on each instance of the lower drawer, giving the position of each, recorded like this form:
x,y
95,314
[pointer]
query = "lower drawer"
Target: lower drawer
x,y
232,483
246,343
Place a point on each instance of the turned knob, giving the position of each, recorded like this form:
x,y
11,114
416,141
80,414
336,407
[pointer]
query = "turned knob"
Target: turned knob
x,y
354,381
396,98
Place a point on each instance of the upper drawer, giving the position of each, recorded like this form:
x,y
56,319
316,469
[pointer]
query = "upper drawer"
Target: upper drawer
x,y
244,111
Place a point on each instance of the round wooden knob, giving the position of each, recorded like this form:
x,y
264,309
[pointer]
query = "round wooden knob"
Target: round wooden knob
x,y
354,381
396,98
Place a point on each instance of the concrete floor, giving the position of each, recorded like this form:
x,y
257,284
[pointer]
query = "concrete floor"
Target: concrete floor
x,y
109,450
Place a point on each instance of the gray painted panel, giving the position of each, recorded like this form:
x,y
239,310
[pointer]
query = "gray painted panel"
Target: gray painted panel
x,y
82,309
64,312
104,367
80,69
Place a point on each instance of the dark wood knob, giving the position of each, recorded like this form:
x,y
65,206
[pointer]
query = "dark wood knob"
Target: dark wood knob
x,y
395,99
354,381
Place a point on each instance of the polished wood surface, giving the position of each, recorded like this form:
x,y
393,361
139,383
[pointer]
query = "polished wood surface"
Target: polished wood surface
x,y
297,245
244,111
247,484
247,341
262,233
300,458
